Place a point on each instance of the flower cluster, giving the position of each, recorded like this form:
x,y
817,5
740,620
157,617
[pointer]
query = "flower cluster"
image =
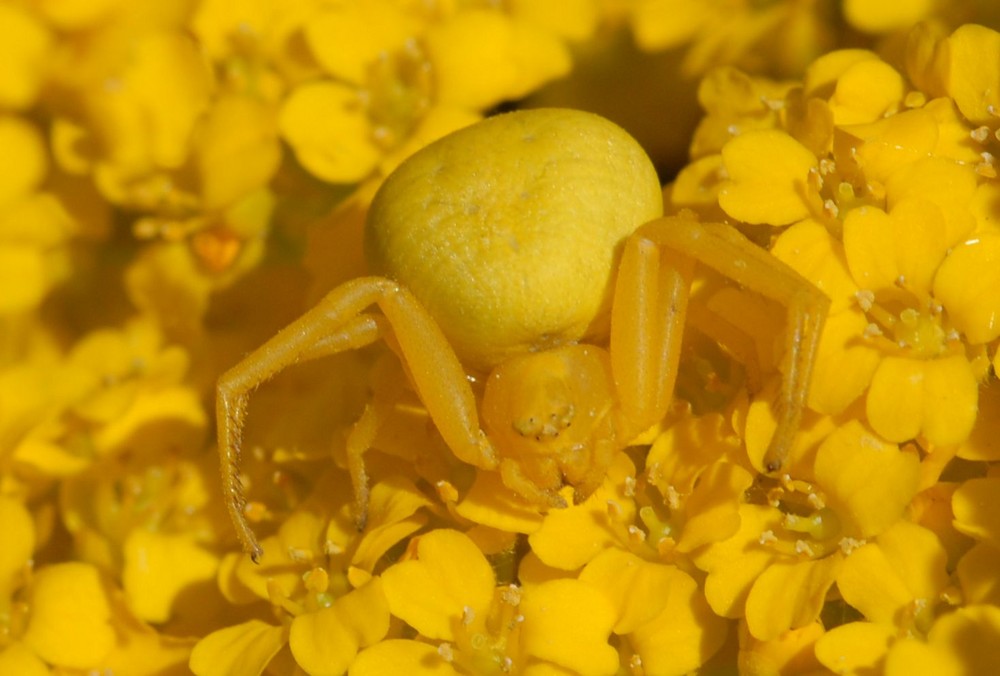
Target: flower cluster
x,y
877,183
183,178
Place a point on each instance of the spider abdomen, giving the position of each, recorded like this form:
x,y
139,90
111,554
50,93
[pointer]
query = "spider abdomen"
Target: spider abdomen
x,y
509,231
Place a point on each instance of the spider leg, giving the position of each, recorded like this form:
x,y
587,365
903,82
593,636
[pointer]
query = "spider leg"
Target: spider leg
x,y
731,338
336,324
647,324
724,249
515,478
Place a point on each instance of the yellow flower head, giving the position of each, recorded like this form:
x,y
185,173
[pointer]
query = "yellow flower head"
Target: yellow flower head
x,y
880,185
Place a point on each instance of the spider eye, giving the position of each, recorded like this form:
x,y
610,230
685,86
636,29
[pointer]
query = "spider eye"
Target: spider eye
x,y
557,395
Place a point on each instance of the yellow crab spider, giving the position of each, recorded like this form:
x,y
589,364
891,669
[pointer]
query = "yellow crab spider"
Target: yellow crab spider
x,y
530,248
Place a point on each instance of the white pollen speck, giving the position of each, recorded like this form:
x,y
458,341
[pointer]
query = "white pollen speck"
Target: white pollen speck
x,y
980,134
866,299
848,545
803,547
446,652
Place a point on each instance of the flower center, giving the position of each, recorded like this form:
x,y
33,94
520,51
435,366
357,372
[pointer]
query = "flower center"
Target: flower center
x,y
809,528
919,330
398,93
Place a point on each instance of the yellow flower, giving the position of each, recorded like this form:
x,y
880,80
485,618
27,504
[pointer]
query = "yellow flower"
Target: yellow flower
x,y
245,648
780,36
70,620
155,525
317,574
907,342
116,390
660,611
400,77
885,196
17,536
448,593
141,115
958,643
34,225
26,43
793,652
569,538
973,504
896,582
695,466
769,174
255,44
883,18
858,487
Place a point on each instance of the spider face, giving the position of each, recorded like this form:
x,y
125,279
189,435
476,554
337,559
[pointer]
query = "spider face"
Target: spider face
x,y
505,248
552,412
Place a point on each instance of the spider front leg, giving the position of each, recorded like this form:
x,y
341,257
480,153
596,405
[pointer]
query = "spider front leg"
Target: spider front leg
x,y
338,323
651,295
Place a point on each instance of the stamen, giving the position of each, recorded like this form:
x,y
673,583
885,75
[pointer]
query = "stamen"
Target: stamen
x,y
673,498
865,298
848,545
980,134
446,652
511,595
872,331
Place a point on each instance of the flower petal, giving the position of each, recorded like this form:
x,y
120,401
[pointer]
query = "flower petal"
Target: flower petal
x,y
568,622
488,503
570,537
17,542
934,397
325,124
884,579
976,504
966,285
789,595
432,592
481,57
17,658
241,649
854,647
24,44
26,163
70,622
159,566
968,68
398,656
769,178
977,573
347,38
326,641
867,481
